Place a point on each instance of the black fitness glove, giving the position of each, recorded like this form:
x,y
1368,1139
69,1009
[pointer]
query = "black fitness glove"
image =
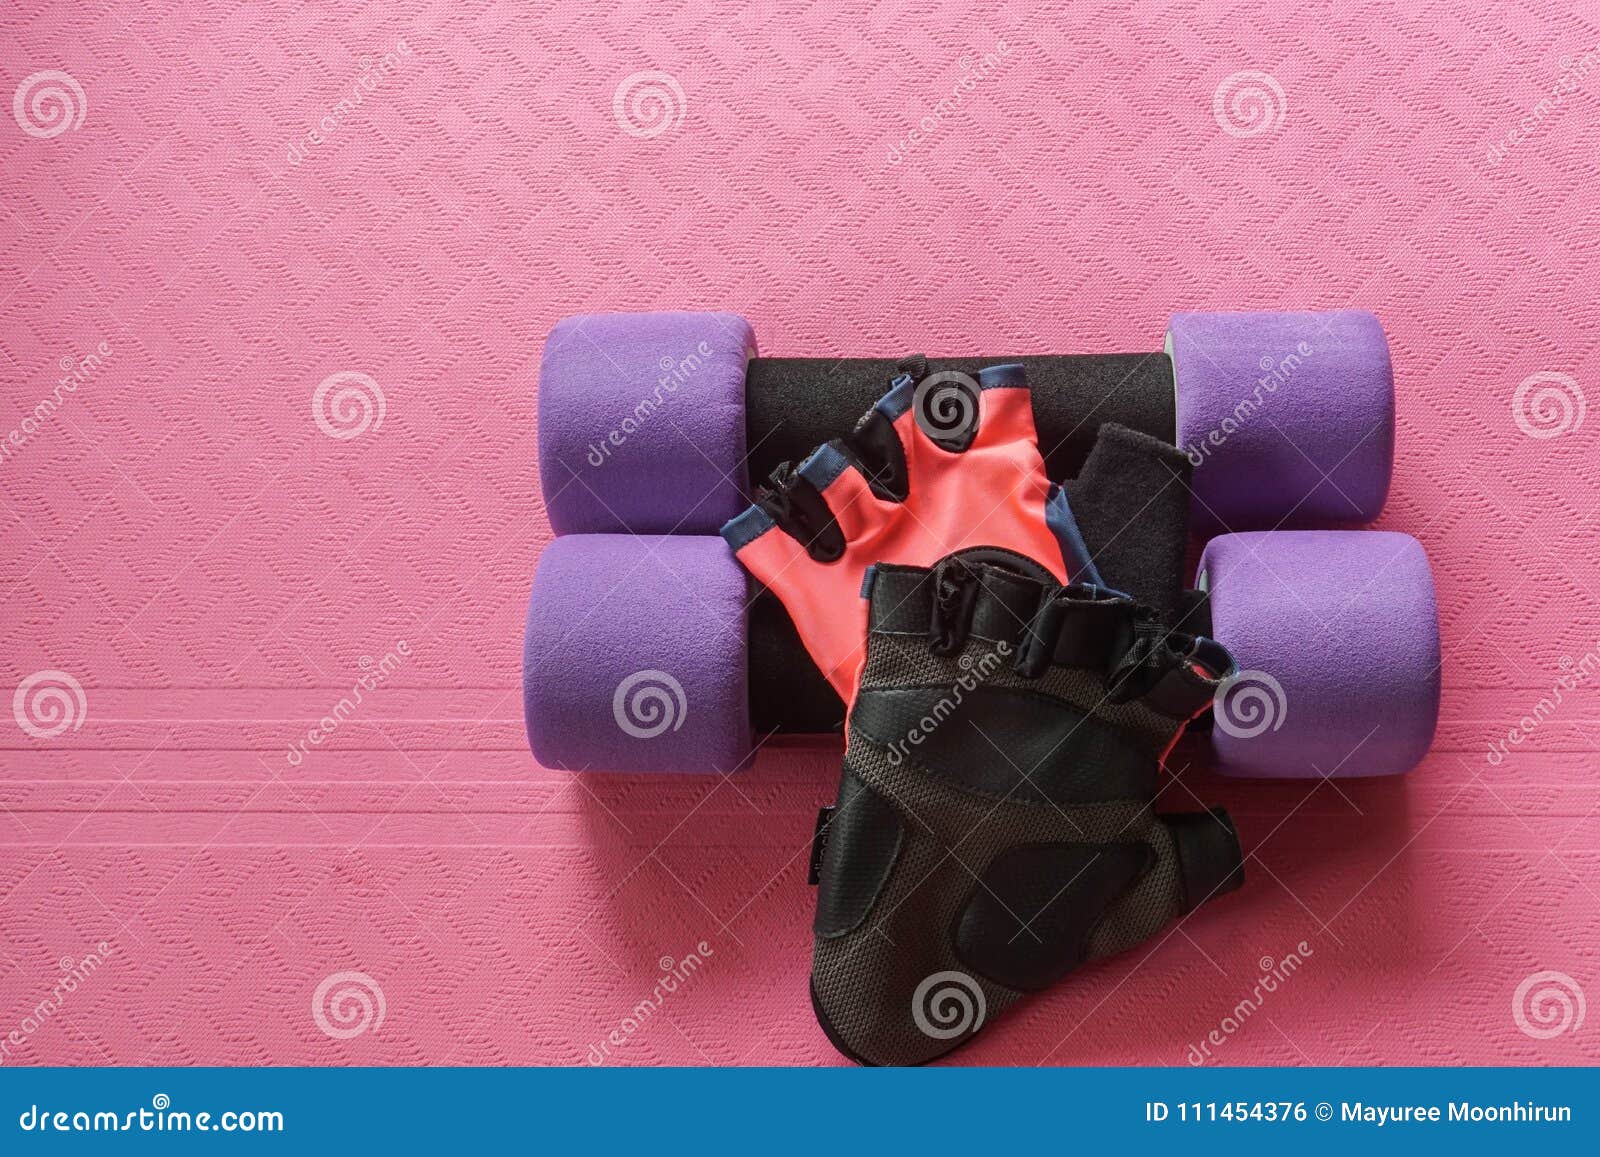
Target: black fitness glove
x,y
994,825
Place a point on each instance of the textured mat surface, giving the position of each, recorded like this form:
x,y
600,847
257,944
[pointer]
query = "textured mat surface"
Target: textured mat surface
x,y
297,264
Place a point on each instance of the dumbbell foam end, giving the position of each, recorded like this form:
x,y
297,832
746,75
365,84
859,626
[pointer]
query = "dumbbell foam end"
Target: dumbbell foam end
x,y
642,422
1336,634
1287,417
634,658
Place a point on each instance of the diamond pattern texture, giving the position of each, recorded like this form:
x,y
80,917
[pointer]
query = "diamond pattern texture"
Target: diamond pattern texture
x,y
184,540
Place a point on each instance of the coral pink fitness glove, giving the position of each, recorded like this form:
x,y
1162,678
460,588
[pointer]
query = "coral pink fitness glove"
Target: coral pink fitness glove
x,y
945,463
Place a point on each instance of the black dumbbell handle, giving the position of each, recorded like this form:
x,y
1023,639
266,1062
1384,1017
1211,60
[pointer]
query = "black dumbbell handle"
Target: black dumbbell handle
x,y
793,405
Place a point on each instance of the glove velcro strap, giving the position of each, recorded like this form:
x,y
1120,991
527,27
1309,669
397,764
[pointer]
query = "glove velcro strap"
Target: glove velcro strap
x,y
862,841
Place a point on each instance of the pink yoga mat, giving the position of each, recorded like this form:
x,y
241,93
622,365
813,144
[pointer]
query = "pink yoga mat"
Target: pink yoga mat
x,y
275,284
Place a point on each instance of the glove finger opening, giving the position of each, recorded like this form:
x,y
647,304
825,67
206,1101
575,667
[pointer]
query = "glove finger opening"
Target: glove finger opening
x,y
1006,409
824,505
875,448
851,504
